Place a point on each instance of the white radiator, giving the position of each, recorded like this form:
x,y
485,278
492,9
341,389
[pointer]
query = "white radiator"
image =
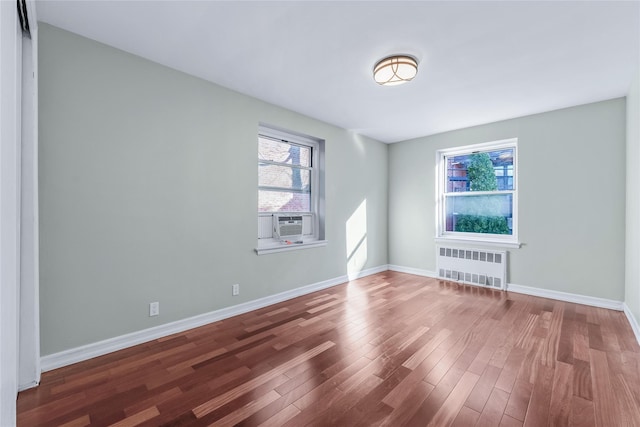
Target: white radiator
x,y
473,266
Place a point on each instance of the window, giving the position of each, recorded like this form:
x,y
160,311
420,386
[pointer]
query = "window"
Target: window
x,y
477,193
288,184
284,175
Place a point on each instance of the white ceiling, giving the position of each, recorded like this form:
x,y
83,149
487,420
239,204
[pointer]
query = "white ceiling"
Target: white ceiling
x,y
479,61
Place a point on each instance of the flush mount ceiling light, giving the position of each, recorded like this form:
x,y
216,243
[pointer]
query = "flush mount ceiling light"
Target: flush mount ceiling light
x,y
395,70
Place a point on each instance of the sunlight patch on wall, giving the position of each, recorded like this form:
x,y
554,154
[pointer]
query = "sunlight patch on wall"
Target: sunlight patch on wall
x,y
357,240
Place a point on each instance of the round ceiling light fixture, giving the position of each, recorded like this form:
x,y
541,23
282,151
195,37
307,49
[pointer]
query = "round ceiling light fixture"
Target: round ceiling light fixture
x,y
395,70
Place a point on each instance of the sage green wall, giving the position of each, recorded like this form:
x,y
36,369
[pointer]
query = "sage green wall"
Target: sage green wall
x,y
148,193
632,278
571,198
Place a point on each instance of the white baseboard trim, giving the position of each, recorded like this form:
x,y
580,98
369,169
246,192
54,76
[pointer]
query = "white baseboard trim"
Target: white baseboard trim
x,y
85,352
89,351
411,270
368,272
632,321
567,297
538,292
23,387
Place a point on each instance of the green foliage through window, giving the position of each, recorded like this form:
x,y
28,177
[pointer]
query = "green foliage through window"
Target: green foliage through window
x,y
479,191
482,176
482,224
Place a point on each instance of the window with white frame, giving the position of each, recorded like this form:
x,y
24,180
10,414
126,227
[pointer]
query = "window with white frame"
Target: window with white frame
x,y
478,193
288,186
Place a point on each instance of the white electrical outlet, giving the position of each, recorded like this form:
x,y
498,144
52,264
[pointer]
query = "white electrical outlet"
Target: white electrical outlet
x,y
235,289
154,308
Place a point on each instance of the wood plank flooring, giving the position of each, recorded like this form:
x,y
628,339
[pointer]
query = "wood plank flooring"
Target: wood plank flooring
x,y
390,349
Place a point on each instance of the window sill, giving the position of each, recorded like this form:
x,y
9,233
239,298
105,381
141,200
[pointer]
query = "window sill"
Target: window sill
x,y
493,243
273,248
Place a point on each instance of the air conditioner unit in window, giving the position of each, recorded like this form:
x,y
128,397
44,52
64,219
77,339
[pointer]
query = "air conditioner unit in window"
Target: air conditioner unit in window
x,y
287,227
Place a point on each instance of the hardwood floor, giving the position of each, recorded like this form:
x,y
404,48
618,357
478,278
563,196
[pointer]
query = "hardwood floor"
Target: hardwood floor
x,y
390,349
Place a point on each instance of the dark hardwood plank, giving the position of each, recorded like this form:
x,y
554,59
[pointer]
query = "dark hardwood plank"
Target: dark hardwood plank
x,y
561,394
466,417
480,394
454,402
538,409
494,409
582,413
507,421
519,400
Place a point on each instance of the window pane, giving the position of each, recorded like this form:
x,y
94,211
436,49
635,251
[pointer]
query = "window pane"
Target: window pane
x,y
283,177
283,152
282,201
480,214
488,171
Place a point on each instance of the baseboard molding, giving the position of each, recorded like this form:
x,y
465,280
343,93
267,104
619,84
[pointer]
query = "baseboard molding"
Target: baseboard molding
x,y
23,387
89,351
367,272
538,292
567,297
411,270
632,321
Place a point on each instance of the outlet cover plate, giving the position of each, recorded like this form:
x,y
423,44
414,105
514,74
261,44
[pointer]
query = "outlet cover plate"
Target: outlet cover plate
x,y
154,309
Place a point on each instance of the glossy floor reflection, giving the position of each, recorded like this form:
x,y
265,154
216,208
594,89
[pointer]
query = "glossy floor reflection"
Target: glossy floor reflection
x,y
390,349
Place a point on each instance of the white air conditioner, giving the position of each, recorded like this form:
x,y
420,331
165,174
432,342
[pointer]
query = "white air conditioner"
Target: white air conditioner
x,y
287,227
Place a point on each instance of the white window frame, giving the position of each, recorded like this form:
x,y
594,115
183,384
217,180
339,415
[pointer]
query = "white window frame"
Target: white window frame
x,y
271,244
493,240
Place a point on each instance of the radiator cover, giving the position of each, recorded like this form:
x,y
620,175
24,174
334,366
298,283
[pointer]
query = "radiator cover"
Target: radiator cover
x,y
473,266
